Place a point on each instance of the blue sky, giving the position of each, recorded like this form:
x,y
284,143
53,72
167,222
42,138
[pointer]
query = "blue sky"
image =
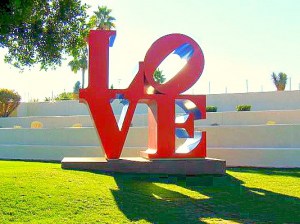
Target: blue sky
x,y
242,40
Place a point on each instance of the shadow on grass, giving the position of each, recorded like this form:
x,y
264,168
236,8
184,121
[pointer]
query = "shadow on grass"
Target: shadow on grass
x,y
219,198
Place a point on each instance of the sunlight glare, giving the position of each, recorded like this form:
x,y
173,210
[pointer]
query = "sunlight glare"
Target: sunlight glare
x,y
171,66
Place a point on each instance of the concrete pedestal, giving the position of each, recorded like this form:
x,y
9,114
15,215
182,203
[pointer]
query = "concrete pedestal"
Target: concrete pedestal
x,y
141,165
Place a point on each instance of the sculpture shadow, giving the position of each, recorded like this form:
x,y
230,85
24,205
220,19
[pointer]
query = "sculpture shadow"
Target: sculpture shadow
x,y
200,198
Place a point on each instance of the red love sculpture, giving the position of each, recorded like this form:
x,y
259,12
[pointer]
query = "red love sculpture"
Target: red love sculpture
x,y
161,99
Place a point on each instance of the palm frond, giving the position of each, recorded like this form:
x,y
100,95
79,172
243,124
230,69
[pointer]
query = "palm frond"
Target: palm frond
x,y
279,80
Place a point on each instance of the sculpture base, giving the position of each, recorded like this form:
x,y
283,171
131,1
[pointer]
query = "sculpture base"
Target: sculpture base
x,y
141,165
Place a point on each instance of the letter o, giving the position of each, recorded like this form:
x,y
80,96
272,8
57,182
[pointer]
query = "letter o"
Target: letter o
x,y
184,46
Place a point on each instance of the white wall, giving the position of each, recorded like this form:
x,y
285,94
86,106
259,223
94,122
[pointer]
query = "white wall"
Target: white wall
x,y
65,108
278,100
241,138
243,145
218,118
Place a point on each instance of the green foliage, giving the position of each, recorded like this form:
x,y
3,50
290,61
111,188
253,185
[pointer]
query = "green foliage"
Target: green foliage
x,y
243,107
65,96
102,19
76,87
211,109
44,193
158,76
47,99
80,62
42,31
9,101
279,80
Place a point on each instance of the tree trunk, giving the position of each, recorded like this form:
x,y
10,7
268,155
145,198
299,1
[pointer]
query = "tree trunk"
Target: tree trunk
x,y
83,77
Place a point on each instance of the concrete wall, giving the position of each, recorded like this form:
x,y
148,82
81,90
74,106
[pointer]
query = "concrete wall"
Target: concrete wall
x,y
59,108
65,108
244,145
241,138
63,121
251,118
277,100
139,120
47,121
284,100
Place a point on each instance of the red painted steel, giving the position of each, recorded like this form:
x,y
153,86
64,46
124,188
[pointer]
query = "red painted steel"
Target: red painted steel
x,y
161,101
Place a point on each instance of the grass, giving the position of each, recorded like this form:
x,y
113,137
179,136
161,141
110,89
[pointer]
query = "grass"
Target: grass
x,y
33,192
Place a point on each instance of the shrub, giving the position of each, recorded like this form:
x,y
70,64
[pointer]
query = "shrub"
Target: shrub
x,y
9,101
211,109
243,107
47,99
65,96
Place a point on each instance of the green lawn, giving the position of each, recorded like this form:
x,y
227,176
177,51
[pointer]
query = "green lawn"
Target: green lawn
x,y
33,192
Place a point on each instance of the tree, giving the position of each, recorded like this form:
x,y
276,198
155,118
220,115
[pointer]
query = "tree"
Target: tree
x,y
279,80
9,101
43,32
76,87
80,63
158,76
100,20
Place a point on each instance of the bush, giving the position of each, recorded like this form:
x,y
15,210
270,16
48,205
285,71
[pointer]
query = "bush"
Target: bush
x,y
9,101
64,96
243,107
211,109
47,99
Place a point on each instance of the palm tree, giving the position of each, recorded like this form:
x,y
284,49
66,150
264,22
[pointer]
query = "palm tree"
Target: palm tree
x,y
279,80
102,19
80,63
158,76
76,87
